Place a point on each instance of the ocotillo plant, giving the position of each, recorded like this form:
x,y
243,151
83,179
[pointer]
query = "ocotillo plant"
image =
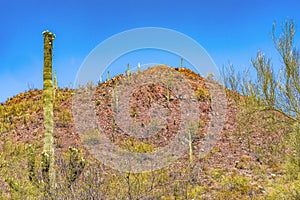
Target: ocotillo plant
x,y
48,153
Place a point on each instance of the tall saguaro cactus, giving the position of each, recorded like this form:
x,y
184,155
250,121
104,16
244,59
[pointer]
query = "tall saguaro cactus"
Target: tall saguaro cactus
x,y
48,153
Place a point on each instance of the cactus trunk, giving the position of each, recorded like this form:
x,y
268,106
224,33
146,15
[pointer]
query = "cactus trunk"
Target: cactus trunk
x,y
48,154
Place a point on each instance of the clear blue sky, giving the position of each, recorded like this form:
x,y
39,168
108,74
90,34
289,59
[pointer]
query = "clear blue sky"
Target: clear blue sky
x,y
229,30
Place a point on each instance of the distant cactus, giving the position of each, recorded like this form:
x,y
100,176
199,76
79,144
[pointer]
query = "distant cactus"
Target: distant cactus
x,y
48,152
113,126
108,76
139,68
128,72
116,100
191,132
169,86
31,164
168,97
76,165
181,61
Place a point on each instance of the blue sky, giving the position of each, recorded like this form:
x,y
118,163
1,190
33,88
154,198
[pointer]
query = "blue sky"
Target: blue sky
x,y
229,30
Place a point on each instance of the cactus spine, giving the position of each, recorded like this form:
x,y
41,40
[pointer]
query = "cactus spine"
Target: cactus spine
x,y
48,151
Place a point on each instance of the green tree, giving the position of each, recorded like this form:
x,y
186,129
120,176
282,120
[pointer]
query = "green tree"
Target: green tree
x,y
276,92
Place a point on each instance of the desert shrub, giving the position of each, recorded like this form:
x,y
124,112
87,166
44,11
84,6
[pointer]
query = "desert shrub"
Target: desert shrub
x,y
131,144
202,93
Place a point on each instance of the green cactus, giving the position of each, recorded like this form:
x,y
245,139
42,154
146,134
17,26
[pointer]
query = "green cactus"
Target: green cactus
x,y
128,72
169,84
190,147
181,61
31,164
192,128
76,165
55,80
48,151
45,163
116,100
139,68
108,76
135,122
168,97
113,126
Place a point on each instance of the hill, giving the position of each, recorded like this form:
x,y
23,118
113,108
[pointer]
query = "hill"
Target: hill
x,y
248,160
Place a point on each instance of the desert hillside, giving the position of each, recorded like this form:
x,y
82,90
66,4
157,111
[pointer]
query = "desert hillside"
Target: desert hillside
x,y
248,160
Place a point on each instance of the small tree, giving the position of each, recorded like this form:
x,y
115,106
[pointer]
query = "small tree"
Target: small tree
x,y
289,80
280,94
